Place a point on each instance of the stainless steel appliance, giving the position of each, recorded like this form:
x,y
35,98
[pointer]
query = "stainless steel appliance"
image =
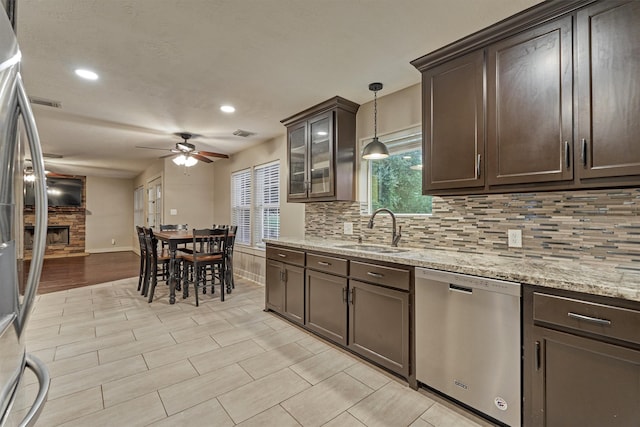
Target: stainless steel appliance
x,y
14,307
468,341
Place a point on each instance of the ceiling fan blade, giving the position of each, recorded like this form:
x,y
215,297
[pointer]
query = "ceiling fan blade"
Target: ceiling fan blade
x,y
155,148
167,155
211,154
201,158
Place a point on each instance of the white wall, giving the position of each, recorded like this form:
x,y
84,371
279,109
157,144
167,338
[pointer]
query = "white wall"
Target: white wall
x,y
190,192
109,215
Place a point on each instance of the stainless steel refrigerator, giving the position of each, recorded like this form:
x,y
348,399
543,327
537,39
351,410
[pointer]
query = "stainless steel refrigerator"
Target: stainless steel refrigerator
x,y
16,118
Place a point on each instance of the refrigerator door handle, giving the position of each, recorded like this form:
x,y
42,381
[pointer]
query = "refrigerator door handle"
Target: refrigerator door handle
x,y
40,369
39,236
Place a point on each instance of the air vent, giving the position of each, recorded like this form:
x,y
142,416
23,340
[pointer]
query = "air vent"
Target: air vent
x,y
243,133
45,102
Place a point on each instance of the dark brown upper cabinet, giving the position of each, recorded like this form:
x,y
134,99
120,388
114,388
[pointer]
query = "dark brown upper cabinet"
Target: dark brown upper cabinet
x,y
321,152
529,106
453,152
561,97
608,85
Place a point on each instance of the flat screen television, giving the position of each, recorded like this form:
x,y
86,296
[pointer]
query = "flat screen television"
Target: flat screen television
x,y
60,192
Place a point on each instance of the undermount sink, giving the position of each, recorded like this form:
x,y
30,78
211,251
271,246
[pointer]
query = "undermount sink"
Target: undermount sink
x,y
372,248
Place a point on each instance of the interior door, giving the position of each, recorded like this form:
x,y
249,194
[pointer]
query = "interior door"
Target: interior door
x,y
154,203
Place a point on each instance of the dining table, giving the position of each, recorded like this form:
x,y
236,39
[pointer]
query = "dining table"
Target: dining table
x,y
173,238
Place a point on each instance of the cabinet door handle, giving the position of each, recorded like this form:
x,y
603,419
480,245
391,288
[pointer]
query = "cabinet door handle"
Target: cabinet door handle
x,y
324,263
567,159
376,275
537,355
583,153
344,295
596,320
353,295
478,166
282,255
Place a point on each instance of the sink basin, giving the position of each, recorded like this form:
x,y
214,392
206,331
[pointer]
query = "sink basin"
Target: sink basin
x,y
372,248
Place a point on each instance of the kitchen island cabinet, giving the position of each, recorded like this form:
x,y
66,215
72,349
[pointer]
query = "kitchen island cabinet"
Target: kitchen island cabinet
x,y
581,360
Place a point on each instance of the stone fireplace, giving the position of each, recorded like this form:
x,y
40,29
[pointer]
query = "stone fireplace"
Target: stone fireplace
x,y
66,229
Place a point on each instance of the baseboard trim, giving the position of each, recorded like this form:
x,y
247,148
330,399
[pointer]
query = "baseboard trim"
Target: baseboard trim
x,y
111,249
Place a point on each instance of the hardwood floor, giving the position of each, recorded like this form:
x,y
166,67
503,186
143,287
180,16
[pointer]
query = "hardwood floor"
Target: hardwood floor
x,y
73,272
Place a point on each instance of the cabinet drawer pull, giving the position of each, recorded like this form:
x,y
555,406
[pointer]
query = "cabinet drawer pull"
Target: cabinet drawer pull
x,y
583,153
478,166
567,159
282,255
324,263
376,275
596,320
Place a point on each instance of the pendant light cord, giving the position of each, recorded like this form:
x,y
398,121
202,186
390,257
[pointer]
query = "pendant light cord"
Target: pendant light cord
x,y
375,114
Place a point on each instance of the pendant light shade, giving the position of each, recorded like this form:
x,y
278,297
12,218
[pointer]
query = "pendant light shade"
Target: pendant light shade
x,y
375,149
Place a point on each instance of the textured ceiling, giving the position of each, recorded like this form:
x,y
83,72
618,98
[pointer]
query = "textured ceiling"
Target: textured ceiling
x,y
167,66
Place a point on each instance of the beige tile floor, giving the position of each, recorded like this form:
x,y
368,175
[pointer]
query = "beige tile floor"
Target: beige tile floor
x,y
116,360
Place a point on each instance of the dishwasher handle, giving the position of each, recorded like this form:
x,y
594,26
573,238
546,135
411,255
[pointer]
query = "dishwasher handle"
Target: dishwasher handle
x,y
461,289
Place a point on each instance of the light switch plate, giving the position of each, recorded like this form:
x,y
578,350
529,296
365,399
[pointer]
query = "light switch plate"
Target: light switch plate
x,y
515,238
173,212
348,228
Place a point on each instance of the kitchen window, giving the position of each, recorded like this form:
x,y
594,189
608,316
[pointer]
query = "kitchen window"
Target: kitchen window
x,y
396,182
241,205
255,203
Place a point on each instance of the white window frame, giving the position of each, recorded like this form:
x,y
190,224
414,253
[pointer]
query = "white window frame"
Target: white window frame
x,y
392,140
266,198
241,205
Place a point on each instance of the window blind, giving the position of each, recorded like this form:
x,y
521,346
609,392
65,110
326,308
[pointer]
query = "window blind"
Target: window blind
x,y
241,205
266,213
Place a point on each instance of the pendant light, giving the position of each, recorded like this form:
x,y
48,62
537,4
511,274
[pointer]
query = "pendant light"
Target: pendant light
x,y
375,149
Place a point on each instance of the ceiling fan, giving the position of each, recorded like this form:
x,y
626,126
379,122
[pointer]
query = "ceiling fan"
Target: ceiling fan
x,y
185,152
30,177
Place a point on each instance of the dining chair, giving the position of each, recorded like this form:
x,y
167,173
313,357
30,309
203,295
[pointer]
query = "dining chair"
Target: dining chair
x,y
172,227
206,265
231,238
143,256
154,258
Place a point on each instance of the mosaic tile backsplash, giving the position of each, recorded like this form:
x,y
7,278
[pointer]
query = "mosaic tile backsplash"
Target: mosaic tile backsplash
x,y
593,226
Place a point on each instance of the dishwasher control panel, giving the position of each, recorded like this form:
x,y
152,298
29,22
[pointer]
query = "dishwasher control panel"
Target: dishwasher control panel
x,y
472,282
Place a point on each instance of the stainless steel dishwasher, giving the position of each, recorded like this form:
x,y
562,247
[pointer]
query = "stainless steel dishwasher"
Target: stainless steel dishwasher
x,y
468,341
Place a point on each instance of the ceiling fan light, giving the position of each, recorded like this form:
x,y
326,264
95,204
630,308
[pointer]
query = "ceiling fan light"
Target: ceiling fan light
x,y
180,160
190,161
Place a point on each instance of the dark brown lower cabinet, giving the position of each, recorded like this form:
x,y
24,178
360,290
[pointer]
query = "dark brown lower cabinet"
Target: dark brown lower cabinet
x,y
285,290
325,300
581,360
583,382
379,325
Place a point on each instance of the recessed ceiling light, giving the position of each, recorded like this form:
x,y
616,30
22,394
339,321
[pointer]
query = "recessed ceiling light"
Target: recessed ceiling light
x,y
86,74
227,109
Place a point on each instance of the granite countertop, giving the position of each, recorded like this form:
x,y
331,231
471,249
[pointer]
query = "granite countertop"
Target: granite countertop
x,y
604,280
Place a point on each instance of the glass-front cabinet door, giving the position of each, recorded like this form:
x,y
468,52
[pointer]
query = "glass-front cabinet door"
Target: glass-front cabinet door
x,y
320,157
298,161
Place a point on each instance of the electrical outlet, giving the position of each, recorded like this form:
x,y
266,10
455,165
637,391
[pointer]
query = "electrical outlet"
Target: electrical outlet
x,y
348,228
173,212
113,241
515,238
